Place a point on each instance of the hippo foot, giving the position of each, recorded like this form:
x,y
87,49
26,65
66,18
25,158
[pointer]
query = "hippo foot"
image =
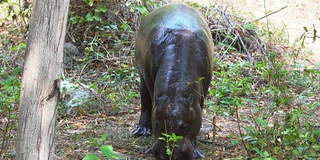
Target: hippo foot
x,y
198,154
141,131
147,149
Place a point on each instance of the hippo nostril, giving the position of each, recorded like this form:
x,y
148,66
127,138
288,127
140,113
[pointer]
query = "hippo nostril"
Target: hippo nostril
x,y
182,157
184,151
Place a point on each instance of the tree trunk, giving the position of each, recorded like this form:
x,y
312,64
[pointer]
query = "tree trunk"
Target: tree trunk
x,y
40,80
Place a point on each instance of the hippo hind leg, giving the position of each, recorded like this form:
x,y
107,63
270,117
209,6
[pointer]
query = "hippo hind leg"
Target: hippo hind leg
x,y
144,127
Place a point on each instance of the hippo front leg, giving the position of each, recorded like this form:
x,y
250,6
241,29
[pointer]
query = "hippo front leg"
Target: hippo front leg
x,y
144,127
197,153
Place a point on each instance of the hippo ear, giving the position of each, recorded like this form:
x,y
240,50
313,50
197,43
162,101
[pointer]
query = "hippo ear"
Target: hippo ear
x,y
159,100
190,99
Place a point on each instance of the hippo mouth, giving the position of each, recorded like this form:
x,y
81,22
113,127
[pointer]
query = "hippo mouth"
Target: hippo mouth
x,y
182,150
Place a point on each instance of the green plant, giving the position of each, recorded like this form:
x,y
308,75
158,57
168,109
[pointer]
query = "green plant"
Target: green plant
x,y
286,138
171,141
9,87
229,86
11,53
9,99
13,10
106,40
281,123
107,150
142,10
307,34
281,128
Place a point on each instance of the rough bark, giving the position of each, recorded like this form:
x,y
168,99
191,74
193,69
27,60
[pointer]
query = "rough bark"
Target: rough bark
x,y
40,87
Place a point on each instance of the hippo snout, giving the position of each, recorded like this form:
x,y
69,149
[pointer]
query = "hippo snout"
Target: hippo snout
x,y
182,151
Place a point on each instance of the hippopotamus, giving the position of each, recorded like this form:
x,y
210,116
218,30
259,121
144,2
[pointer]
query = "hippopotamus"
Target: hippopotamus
x,y
173,52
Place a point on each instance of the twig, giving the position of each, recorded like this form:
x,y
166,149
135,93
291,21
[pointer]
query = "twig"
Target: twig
x,y
312,36
213,135
4,144
243,45
269,14
244,145
217,127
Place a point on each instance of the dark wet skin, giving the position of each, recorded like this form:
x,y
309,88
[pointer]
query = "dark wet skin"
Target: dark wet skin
x,y
174,52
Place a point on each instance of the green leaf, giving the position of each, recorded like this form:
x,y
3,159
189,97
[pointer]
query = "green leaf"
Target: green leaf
x,y
23,45
108,151
294,117
179,137
104,137
89,16
166,135
17,70
262,122
305,28
168,151
97,18
124,26
91,156
106,35
226,102
262,142
303,40
161,138
234,142
250,100
14,48
114,26
101,9
314,35
258,151
265,154
89,2
142,9
200,79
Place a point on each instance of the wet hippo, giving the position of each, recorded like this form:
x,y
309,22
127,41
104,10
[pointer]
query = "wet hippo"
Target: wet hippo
x,y
174,52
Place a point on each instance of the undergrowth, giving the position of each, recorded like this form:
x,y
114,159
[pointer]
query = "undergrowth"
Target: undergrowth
x,y
279,107
275,101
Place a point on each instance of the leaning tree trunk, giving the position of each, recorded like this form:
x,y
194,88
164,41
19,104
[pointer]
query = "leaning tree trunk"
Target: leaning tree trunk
x,y
40,80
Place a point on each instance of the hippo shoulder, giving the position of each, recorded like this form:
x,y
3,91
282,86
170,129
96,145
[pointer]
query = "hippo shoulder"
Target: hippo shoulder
x,y
174,16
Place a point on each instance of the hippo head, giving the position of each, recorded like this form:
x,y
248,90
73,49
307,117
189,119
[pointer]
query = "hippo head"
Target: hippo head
x,y
180,116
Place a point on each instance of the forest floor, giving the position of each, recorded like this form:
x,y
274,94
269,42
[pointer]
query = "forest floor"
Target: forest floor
x,y
120,126
78,132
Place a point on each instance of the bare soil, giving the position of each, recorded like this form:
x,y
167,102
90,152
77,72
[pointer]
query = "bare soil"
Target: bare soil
x,y
76,131
120,126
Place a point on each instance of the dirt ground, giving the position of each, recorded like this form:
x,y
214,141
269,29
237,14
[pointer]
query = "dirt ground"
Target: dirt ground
x,y
75,132
295,15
